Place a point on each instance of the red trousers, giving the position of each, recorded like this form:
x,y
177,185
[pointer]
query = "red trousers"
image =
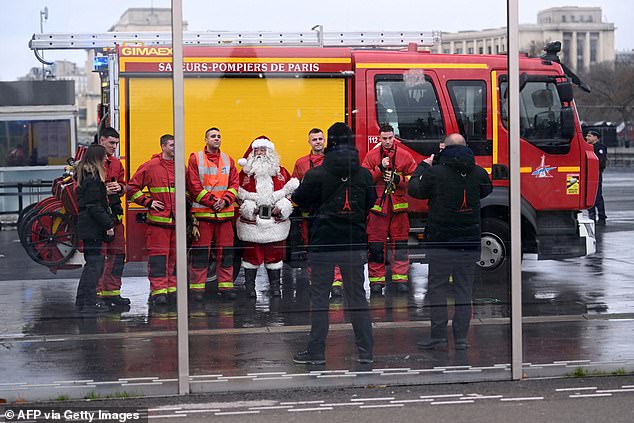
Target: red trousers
x,y
396,227
160,242
219,233
270,254
114,259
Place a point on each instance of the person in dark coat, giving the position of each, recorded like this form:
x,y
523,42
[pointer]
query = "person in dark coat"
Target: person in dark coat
x,y
95,224
598,209
454,187
338,196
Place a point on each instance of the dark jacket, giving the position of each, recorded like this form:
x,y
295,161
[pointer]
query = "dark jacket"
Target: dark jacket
x,y
338,195
94,216
454,188
602,154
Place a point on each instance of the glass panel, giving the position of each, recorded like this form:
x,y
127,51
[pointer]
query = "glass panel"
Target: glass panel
x,y
75,316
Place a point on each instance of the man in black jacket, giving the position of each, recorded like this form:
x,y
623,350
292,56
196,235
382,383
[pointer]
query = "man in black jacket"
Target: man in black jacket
x,y
594,139
338,195
454,187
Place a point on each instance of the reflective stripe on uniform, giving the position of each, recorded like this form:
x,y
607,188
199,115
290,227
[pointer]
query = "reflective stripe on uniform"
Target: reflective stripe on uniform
x,y
159,291
399,206
206,214
197,285
396,277
225,285
378,279
159,219
163,189
136,195
109,293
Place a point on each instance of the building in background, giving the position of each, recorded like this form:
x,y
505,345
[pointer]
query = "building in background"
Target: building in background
x,y
586,39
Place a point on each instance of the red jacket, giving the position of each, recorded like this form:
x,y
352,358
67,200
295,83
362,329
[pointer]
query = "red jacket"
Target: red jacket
x,y
303,164
116,173
157,174
195,187
404,165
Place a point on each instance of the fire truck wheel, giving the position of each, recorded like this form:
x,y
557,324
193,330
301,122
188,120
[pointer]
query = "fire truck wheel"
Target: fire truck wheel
x,y
50,238
495,247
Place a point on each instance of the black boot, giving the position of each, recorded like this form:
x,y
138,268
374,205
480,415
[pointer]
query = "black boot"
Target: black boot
x,y
274,282
249,282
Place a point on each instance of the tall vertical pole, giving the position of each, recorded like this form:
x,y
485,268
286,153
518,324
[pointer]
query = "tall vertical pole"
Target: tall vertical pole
x,y
179,179
43,17
515,188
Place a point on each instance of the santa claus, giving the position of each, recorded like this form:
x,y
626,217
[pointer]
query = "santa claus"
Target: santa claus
x,y
265,189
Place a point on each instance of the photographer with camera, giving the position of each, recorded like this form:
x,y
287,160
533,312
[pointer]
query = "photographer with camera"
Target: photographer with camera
x,y
265,208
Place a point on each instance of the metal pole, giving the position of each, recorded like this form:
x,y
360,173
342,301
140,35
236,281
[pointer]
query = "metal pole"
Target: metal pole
x,y
515,189
179,179
43,17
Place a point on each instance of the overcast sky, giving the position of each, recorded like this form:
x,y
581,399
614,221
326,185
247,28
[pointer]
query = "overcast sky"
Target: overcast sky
x,y
21,18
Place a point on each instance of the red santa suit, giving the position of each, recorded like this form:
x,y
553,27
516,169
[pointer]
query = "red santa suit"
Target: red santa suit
x,y
265,187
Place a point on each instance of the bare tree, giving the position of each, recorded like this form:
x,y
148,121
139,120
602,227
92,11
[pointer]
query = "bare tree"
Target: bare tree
x,y
612,96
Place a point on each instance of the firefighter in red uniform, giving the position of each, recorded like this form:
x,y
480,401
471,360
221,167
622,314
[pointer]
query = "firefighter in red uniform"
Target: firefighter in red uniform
x,y
302,165
212,184
109,287
391,168
157,175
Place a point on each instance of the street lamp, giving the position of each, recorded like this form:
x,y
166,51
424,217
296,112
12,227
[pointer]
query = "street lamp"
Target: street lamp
x,y
43,18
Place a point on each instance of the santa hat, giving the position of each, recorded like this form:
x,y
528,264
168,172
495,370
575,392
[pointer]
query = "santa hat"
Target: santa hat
x,y
261,141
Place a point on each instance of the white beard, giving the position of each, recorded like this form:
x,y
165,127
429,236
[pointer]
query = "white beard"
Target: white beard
x,y
268,165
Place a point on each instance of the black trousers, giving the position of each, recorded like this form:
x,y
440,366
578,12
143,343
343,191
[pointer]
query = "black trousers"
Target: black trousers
x,y
87,288
599,205
460,263
322,266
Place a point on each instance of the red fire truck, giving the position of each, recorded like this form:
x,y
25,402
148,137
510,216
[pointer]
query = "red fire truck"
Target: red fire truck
x,y
246,89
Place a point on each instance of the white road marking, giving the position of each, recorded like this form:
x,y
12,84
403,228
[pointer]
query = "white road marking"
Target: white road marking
x,y
382,406
302,402
411,400
208,410
478,397
589,395
233,413
341,404
587,388
309,409
615,390
272,407
522,399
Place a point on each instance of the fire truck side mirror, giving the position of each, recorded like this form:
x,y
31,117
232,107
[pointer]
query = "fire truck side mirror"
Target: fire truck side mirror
x,y
564,89
567,122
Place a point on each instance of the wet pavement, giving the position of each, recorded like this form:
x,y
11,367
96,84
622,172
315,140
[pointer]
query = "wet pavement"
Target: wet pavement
x,y
579,314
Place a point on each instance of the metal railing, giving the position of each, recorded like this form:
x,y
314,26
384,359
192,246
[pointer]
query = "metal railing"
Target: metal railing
x,y
26,193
